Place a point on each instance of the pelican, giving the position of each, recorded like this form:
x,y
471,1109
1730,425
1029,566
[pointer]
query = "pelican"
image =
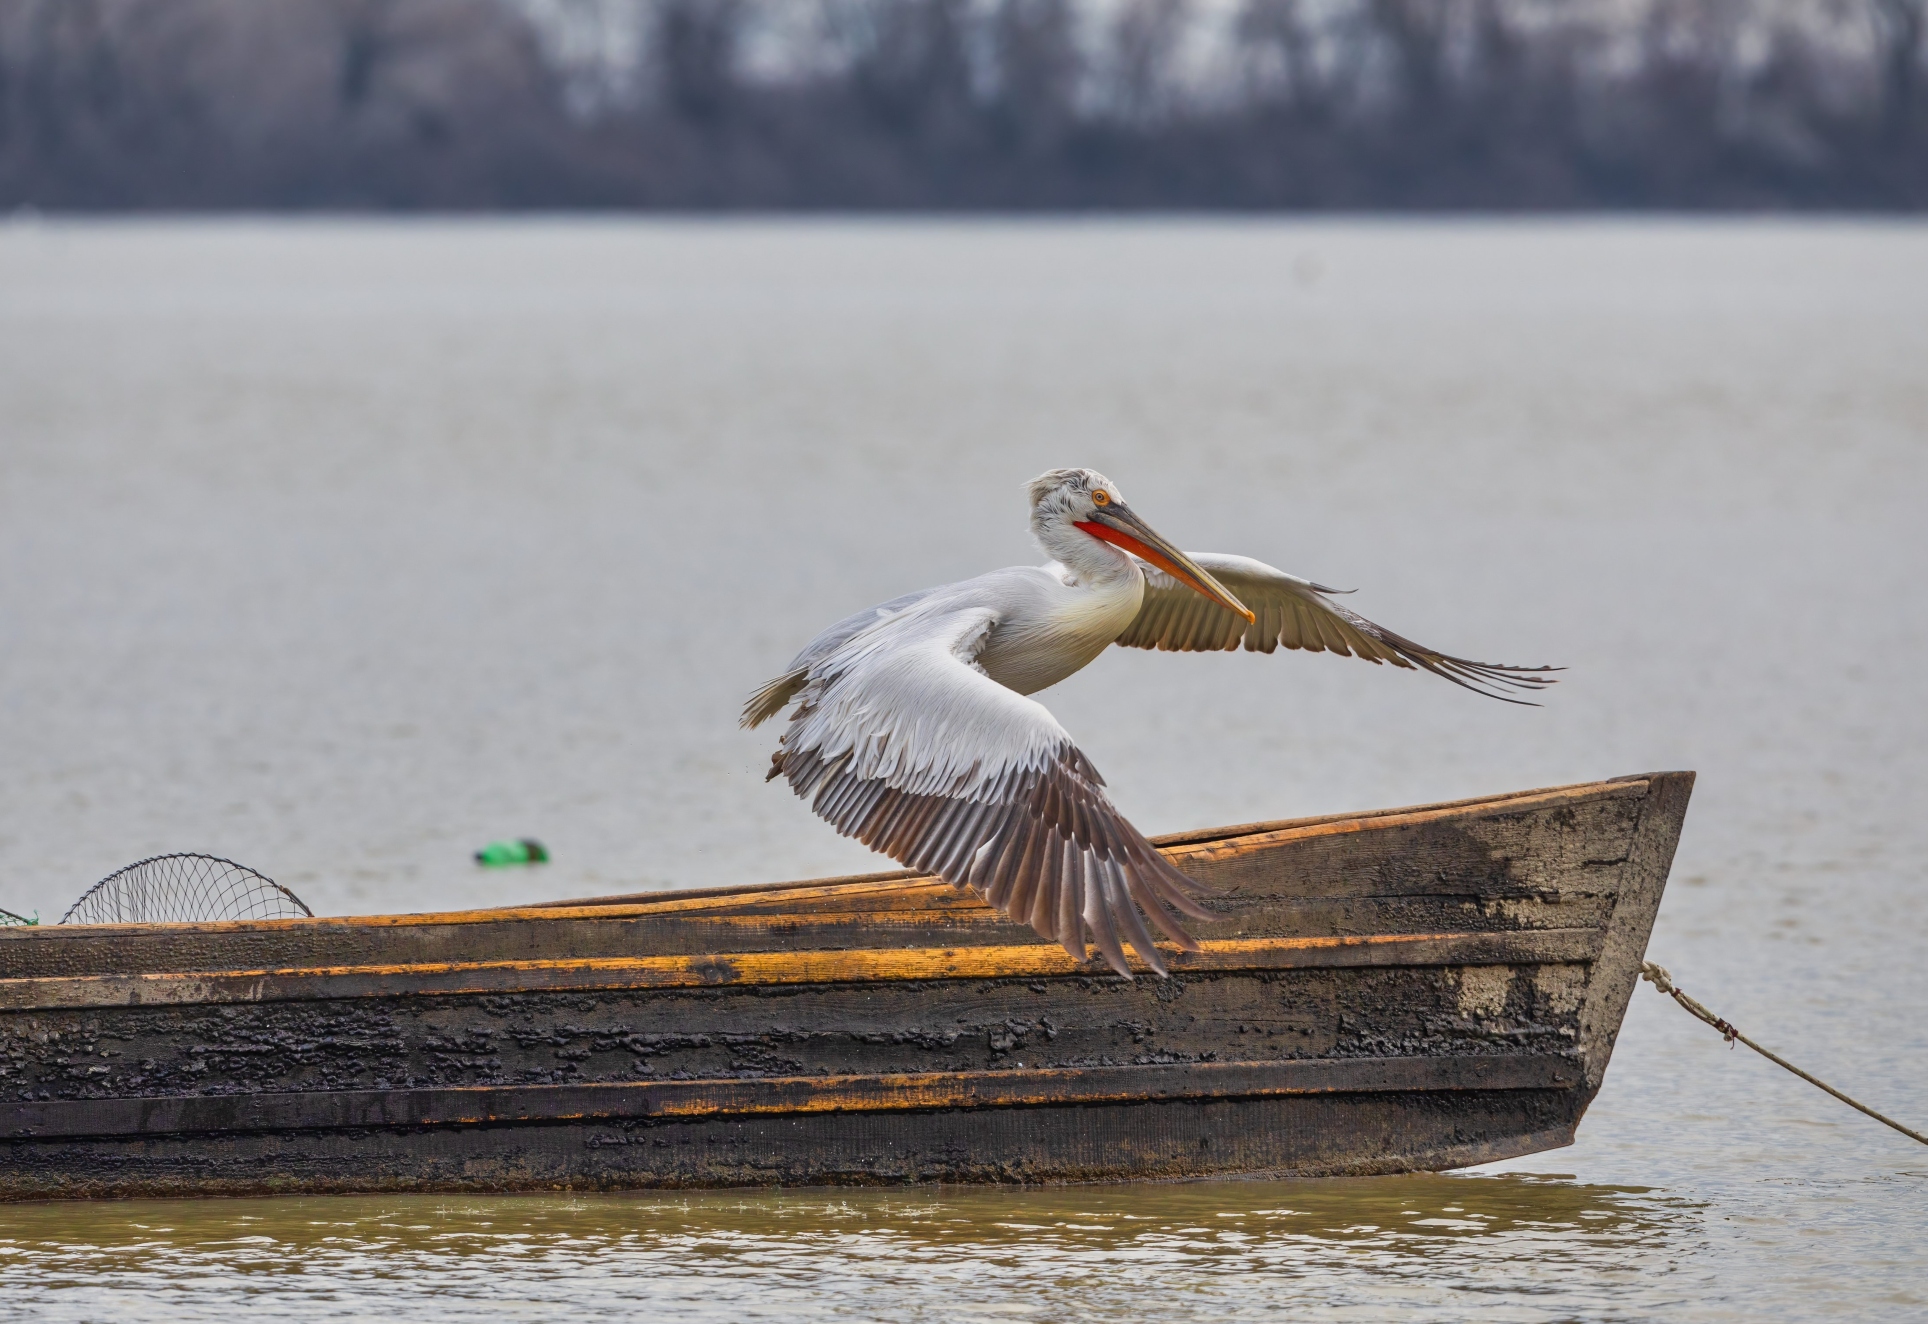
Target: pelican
x,y
912,732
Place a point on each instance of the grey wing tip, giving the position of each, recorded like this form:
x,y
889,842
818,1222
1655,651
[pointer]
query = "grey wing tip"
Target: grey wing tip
x,y
1485,678
1482,678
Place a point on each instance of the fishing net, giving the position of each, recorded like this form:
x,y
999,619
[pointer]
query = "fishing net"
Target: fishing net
x,y
174,888
8,919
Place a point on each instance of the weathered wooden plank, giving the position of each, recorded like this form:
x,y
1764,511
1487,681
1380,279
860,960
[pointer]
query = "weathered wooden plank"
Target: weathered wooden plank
x,y
1301,1135
754,1031
1530,946
396,940
327,1110
1241,916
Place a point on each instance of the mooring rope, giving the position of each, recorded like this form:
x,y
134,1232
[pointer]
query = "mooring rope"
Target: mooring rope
x,y
1660,979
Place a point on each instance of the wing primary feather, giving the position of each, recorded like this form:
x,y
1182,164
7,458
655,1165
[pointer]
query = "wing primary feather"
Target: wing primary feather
x,y
1097,914
888,834
984,861
838,795
831,794
864,806
982,853
978,831
917,822
1176,634
1071,895
1310,638
876,825
839,813
940,838
1037,855
961,840
1262,635
998,883
1145,890
1046,849
917,825
1023,860
1049,800
1178,888
806,773
1334,637
1156,622
1043,913
1078,816
939,841
1131,922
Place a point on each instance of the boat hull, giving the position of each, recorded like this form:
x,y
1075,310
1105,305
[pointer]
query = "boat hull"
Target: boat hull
x,y
1415,989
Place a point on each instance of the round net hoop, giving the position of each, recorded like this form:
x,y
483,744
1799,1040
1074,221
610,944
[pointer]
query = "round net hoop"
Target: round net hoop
x,y
166,889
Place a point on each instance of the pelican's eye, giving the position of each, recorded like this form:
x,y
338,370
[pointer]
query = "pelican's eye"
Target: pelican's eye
x,y
1101,497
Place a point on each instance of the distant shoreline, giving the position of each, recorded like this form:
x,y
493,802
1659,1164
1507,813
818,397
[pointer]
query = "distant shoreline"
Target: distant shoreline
x,y
964,107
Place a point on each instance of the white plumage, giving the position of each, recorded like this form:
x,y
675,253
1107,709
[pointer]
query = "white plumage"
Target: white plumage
x,y
913,735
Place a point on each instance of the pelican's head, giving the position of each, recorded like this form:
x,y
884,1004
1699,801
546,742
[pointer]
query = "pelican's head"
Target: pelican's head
x,y
1068,505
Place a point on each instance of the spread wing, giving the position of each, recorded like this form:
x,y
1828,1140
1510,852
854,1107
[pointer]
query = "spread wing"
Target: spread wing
x,y
1296,613
902,742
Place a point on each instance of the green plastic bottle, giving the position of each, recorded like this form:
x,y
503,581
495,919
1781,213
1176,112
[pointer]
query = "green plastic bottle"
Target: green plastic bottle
x,y
524,850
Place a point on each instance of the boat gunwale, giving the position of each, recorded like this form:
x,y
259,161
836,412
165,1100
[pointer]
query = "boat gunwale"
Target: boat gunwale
x,y
1198,843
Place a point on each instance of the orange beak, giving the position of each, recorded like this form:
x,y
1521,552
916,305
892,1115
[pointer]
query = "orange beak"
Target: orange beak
x,y
1118,526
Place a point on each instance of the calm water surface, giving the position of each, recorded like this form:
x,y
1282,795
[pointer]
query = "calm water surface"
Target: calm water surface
x,y
342,548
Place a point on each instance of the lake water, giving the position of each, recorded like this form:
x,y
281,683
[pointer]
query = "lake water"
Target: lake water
x,y
341,548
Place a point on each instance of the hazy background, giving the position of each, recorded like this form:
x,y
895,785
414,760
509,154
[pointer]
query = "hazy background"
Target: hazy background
x,y
979,104
340,543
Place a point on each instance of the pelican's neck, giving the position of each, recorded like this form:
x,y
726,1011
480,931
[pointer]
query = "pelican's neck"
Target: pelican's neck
x,y
1087,560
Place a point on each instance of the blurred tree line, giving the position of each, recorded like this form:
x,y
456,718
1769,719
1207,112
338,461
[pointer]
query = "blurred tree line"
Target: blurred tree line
x,y
963,103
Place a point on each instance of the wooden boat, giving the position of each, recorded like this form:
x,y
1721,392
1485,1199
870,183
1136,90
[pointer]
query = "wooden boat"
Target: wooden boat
x,y
1408,989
